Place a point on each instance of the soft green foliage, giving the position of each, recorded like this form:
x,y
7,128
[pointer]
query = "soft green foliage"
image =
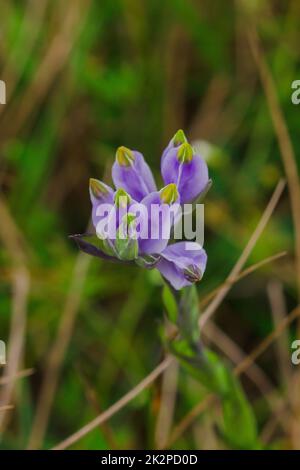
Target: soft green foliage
x,y
170,304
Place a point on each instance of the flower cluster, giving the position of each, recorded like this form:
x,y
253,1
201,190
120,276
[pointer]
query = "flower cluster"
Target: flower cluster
x,y
185,176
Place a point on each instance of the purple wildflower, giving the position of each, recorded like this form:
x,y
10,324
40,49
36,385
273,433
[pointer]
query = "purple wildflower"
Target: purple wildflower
x,y
131,172
188,170
100,193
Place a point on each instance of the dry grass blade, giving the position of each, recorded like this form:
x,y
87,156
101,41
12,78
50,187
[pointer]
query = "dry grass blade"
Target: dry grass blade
x,y
19,375
240,276
93,399
279,311
225,344
271,425
6,408
167,405
16,337
189,418
33,21
291,170
54,60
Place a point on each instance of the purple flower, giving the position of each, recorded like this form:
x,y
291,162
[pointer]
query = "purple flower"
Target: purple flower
x,y
115,226
151,220
161,210
134,223
187,170
131,172
182,264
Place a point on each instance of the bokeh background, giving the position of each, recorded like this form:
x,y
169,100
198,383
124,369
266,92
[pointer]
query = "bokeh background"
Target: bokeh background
x,y
82,78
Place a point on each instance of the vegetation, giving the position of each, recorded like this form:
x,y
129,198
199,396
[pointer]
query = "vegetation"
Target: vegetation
x,y
83,78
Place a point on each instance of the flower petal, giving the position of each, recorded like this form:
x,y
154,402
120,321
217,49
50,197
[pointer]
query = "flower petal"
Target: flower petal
x,y
182,264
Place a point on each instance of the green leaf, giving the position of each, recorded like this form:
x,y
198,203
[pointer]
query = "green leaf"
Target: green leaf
x,y
239,424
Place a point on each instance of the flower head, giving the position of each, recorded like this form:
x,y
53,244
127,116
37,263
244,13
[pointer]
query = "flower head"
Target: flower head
x,y
134,222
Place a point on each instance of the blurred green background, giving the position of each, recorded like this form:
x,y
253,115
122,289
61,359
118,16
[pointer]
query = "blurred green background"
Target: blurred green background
x,y
82,78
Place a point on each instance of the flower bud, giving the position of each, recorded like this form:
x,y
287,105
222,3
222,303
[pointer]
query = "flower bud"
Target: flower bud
x,y
187,169
179,138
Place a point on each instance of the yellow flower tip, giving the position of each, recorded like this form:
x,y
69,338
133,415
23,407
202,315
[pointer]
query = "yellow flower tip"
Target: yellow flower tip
x,y
185,153
179,138
97,188
169,194
125,156
122,199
